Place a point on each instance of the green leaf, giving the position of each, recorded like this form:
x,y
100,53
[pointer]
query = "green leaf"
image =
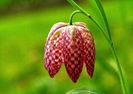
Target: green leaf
x,y
99,5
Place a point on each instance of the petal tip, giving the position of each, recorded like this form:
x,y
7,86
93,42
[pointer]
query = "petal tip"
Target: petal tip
x,y
74,81
52,76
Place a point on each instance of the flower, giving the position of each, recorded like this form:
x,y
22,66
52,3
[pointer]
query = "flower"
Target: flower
x,y
72,45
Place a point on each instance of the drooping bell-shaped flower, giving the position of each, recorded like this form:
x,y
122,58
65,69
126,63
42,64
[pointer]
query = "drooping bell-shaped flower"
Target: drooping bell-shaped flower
x,y
71,45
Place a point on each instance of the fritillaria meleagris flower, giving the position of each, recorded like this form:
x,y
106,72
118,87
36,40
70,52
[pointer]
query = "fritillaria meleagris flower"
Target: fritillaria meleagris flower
x,y
71,45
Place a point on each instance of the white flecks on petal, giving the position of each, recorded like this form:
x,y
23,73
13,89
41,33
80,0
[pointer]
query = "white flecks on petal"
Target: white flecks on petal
x,y
50,57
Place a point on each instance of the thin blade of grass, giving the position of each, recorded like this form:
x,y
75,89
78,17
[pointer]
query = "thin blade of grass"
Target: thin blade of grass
x,y
104,17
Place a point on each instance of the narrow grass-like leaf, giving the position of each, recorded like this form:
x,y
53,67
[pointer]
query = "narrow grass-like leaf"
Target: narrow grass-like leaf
x,y
104,17
120,71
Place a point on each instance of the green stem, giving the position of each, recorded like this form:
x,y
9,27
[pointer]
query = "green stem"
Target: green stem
x,y
89,16
123,84
73,13
104,17
108,38
78,7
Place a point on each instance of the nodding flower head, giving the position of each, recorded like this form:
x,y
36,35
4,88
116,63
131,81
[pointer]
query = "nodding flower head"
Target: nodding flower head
x,y
71,45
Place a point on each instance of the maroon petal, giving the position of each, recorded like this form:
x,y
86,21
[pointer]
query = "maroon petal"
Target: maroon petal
x,y
73,52
54,28
89,51
53,50
72,45
80,24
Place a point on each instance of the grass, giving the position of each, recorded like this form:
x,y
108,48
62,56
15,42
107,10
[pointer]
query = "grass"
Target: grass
x,y
22,39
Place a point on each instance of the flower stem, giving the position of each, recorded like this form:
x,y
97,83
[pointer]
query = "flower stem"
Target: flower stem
x,y
89,16
78,7
120,72
108,38
73,13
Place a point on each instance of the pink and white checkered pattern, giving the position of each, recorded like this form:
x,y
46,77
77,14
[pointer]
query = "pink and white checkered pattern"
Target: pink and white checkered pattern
x,y
72,45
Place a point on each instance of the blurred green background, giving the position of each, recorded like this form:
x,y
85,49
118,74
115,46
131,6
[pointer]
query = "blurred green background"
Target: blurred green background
x,y
24,26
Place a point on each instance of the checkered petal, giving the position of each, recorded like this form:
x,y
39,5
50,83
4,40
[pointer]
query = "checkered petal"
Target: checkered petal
x,y
73,52
88,50
72,45
53,49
